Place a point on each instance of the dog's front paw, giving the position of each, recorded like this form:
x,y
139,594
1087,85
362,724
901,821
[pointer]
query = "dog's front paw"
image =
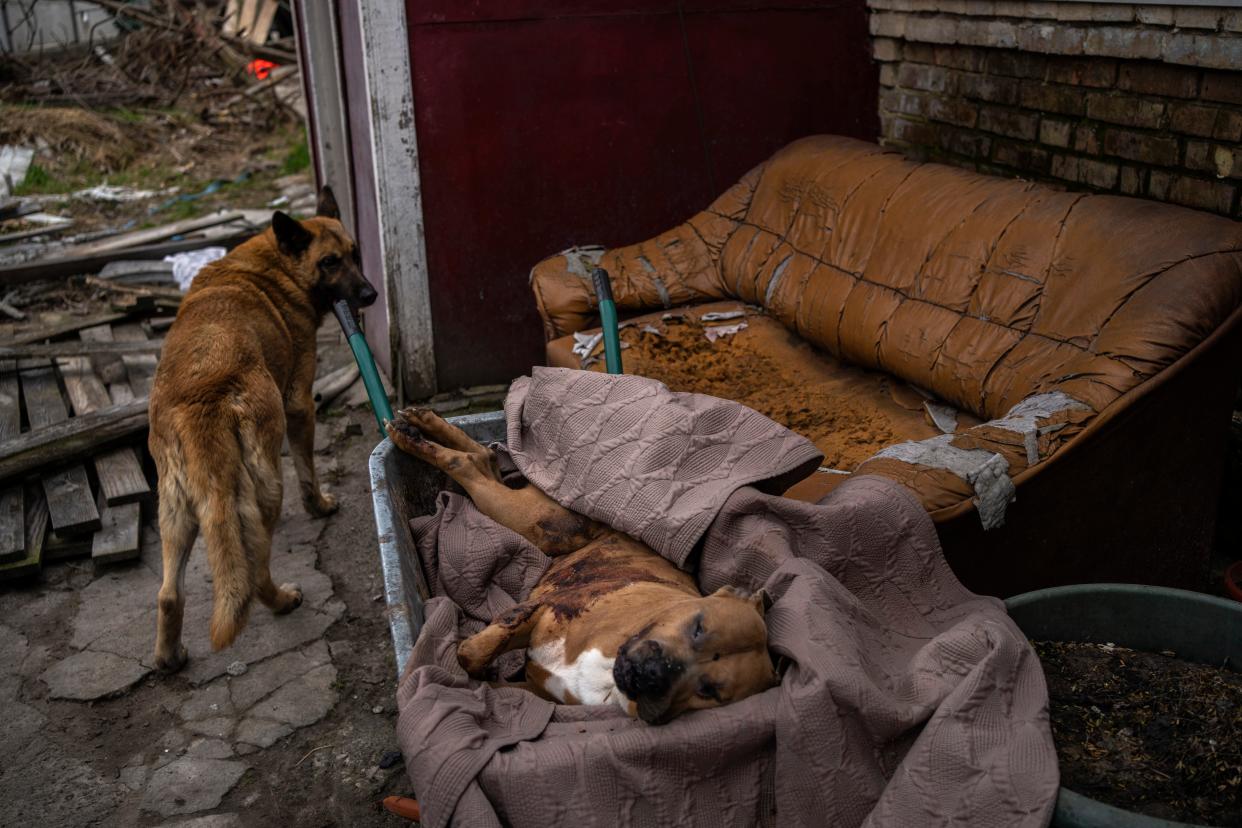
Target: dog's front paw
x,y
172,662
320,504
475,663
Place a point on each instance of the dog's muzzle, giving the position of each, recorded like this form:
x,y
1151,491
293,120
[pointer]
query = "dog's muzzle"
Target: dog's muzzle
x,y
367,296
646,675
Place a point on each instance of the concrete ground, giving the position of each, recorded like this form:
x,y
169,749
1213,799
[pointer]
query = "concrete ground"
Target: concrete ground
x,y
288,726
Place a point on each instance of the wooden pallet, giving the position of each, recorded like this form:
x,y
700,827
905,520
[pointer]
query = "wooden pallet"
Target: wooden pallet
x,y
69,511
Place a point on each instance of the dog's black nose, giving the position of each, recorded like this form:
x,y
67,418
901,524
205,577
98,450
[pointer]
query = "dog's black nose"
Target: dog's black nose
x,y
367,296
645,671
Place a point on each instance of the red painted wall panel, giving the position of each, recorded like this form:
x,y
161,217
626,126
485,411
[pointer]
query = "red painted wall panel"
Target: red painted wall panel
x,y
765,79
543,125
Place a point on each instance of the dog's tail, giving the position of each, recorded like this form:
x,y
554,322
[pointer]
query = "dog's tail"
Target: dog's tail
x,y
223,497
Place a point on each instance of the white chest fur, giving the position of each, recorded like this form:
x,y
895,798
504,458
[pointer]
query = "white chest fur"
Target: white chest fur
x,y
588,678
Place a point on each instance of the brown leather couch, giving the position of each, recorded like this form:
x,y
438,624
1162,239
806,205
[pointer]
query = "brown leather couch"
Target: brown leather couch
x,y
1089,341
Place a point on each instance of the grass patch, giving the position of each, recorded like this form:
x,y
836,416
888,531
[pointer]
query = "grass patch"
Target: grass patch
x,y
297,159
77,175
38,180
126,116
180,210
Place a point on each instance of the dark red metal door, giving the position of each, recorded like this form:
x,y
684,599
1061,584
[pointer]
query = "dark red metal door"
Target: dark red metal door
x,y
547,124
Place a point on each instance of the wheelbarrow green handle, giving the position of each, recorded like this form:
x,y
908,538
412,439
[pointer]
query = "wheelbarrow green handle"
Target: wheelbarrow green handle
x,y
608,320
366,363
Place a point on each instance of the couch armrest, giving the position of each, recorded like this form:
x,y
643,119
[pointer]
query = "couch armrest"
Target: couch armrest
x,y
677,267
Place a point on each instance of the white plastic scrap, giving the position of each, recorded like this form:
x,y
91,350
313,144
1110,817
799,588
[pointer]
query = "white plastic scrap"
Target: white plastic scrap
x,y
46,218
187,265
985,471
651,329
584,344
114,194
721,331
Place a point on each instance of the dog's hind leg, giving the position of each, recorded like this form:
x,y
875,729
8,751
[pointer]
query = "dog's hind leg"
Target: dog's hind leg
x,y
262,493
178,528
300,425
527,511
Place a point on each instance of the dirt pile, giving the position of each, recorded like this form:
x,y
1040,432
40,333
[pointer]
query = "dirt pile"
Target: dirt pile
x,y
849,414
74,135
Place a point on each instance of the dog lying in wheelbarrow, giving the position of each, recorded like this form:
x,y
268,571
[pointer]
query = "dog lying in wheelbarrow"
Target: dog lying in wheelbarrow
x,y
610,622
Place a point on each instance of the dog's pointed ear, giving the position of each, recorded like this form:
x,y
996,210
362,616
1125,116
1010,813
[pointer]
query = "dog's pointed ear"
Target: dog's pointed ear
x,y
291,237
327,204
758,599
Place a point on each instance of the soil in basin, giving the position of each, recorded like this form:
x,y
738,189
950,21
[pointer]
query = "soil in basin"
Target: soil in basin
x,y
1147,732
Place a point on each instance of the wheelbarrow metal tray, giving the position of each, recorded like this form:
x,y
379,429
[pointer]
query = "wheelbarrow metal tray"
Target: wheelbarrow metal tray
x,y
402,488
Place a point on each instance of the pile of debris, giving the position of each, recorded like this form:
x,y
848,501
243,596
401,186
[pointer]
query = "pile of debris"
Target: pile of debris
x,y
169,53
43,252
187,104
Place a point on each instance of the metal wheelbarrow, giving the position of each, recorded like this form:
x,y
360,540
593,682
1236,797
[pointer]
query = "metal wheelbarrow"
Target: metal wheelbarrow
x,y
403,487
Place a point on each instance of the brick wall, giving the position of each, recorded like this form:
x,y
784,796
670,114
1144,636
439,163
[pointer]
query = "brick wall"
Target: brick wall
x,y
1140,100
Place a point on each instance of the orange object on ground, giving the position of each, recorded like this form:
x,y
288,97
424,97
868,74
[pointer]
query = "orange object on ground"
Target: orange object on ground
x,y
260,68
1086,341
403,806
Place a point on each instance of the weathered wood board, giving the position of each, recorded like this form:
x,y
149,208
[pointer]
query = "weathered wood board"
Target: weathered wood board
x,y
70,503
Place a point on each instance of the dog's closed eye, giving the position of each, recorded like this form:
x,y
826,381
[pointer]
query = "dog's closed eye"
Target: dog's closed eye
x,y
330,262
697,634
707,690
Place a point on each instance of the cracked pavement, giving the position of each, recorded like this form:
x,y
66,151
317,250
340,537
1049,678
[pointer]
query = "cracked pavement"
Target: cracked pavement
x,y
280,726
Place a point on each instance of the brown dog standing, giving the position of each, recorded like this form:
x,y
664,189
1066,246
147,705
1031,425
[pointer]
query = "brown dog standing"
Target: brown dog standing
x,y
235,374
610,621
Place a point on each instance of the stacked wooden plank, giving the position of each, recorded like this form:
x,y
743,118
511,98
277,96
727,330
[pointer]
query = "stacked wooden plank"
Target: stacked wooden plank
x,y
250,19
67,491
